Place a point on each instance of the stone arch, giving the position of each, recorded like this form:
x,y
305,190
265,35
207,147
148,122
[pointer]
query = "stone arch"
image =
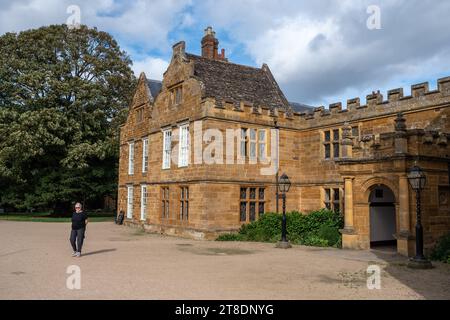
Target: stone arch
x,y
370,184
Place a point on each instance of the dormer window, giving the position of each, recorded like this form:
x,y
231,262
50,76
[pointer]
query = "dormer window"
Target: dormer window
x,y
176,95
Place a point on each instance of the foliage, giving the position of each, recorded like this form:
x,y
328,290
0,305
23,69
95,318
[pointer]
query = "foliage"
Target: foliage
x,y
63,94
318,228
441,251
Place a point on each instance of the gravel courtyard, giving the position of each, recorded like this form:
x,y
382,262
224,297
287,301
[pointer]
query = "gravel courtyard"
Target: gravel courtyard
x,y
125,263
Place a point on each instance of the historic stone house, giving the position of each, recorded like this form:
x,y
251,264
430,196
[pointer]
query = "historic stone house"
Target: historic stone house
x,y
200,151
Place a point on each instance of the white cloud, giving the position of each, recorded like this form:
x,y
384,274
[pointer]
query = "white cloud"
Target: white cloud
x,y
153,67
137,22
319,51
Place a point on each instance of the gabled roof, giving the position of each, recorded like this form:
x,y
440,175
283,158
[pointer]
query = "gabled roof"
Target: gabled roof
x,y
155,87
300,107
229,82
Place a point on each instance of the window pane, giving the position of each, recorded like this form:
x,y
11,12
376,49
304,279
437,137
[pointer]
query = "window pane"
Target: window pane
x,y
252,193
261,193
327,195
252,211
261,209
262,151
252,134
336,150
181,210
243,212
167,209
262,135
327,136
336,194
253,149
336,135
337,207
327,151
187,210
243,193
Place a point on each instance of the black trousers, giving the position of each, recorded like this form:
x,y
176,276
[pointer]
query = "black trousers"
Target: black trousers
x,y
77,238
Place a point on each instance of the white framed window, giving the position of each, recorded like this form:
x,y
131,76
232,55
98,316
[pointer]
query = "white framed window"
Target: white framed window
x,y
144,196
262,142
183,151
252,144
130,202
167,144
144,155
131,158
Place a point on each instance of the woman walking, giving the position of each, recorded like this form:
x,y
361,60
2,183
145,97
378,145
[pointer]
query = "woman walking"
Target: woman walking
x,y
79,222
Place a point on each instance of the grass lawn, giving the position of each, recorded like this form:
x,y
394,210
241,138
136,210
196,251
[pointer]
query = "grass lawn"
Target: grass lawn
x,y
45,217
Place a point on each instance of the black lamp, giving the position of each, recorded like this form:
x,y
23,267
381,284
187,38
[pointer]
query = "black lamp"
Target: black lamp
x,y
417,179
284,184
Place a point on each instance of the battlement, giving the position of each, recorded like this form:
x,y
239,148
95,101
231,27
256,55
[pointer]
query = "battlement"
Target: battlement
x,y
375,105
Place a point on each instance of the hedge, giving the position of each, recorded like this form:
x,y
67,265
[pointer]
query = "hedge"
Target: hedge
x,y
318,228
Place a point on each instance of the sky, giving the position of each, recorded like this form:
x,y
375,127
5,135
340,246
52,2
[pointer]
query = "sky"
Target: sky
x,y
320,52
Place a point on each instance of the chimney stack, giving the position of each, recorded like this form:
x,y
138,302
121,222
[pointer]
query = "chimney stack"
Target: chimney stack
x,y
210,46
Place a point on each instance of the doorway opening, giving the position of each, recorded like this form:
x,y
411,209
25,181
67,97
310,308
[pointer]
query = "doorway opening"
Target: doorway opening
x,y
383,222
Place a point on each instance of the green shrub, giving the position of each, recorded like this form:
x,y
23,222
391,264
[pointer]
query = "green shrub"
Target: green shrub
x,y
315,241
319,228
441,251
229,237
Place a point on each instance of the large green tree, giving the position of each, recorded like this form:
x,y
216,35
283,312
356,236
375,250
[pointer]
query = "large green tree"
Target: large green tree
x,y
63,94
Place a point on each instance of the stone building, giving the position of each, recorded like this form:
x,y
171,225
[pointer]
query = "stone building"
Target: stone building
x,y
198,154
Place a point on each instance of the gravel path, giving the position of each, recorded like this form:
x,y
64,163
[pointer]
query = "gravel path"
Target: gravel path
x,y
124,263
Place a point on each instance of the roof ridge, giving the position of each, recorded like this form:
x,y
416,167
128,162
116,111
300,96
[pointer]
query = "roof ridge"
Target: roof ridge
x,y
225,62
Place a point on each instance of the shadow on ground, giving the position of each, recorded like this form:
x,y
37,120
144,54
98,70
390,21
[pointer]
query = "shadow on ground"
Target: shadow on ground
x,y
430,285
99,252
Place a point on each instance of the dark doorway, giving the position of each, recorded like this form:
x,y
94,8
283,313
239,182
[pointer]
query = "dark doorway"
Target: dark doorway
x,y
383,222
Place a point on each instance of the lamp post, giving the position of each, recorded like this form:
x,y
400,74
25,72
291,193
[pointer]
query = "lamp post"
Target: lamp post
x,y
418,180
284,185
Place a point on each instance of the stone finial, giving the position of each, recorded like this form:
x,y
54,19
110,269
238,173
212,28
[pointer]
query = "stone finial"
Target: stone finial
x,y
347,135
347,141
400,123
400,140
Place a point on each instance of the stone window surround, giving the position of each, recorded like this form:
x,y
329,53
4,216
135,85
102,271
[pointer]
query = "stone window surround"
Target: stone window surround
x,y
332,202
145,153
144,197
167,147
248,200
165,202
131,156
130,201
183,145
184,203
249,142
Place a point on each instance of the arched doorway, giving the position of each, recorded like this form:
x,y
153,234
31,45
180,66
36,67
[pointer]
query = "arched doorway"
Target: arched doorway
x,y
383,222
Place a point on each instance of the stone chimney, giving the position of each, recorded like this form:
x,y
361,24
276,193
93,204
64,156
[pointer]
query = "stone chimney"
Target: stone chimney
x,y
210,46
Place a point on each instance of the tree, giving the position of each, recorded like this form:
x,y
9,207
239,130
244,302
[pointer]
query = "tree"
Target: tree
x,y
63,94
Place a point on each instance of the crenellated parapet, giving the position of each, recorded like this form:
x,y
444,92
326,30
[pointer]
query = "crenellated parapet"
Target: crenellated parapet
x,y
375,105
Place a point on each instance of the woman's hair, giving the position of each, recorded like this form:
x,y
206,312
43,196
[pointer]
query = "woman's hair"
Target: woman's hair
x,y
79,205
